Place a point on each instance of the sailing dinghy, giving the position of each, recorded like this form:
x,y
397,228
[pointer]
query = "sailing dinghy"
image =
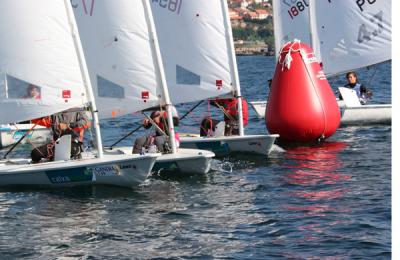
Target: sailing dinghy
x,y
360,38
43,48
197,48
124,61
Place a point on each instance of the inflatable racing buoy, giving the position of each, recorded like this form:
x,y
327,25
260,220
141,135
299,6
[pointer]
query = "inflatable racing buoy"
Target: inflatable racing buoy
x,y
301,106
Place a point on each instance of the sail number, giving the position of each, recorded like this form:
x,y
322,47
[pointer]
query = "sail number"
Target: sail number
x,y
171,5
360,3
365,33
297,7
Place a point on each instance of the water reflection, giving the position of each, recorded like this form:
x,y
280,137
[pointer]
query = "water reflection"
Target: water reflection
x,y
316,189
316,165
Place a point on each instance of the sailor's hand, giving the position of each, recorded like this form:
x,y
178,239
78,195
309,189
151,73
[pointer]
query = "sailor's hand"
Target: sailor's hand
x,y
63,126
146,122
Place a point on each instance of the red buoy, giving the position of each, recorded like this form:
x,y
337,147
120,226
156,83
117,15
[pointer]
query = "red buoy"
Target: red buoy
x,y
301,104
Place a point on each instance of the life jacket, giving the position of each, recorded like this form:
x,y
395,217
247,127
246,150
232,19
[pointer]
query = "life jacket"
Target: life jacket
x,y
230,106
43,121
357,87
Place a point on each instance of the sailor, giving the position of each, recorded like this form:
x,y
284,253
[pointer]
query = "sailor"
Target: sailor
x,y
229,107
70,122
161,137
362,92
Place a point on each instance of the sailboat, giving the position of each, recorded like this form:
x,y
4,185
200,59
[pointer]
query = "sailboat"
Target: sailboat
x,y
43,48
125,65
198,53
345,36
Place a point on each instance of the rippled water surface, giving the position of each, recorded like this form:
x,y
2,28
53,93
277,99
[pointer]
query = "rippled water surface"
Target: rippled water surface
x,y
329,201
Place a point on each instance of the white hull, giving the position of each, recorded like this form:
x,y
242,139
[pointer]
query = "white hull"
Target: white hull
x,y
185,160
366,114
362,115
116,170
10,134
221,146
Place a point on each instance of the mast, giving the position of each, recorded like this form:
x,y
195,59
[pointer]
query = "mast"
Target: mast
x,y
277,28
233,64
85,76
161,71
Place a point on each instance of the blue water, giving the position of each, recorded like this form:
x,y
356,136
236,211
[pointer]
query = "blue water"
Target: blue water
x,y
329,201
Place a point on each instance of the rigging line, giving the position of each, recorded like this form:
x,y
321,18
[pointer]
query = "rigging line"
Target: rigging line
x,y
373,74
191,110
125,136
136,129
225,112
155,125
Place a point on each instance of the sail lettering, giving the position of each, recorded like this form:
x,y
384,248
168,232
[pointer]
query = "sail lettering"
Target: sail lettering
x,y
297,8
365,33
360,3
88,6
171,5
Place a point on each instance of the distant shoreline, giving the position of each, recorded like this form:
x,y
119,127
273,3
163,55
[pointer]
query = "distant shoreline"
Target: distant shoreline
x,y
254,54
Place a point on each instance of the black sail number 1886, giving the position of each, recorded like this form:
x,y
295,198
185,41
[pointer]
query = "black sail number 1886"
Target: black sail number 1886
x,y
297,8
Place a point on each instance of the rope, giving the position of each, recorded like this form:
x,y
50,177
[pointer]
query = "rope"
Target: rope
x,y
373,74
287,61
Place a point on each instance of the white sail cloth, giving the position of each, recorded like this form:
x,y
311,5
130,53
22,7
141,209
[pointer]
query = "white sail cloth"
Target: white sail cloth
x,y
291,21
345,35
121,60
351,35
194,45
37,49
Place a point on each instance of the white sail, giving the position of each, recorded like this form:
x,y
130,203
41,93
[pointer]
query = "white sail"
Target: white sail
x,y
351,35
121,60
43,56
291,21
194,43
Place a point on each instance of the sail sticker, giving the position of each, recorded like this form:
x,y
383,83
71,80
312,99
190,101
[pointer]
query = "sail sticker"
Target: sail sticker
x,y
145,95
66,93
218,83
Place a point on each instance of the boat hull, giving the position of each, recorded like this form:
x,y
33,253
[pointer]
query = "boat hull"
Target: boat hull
x,y
224,145
116,170
362,115
367,115
184,161
10,134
